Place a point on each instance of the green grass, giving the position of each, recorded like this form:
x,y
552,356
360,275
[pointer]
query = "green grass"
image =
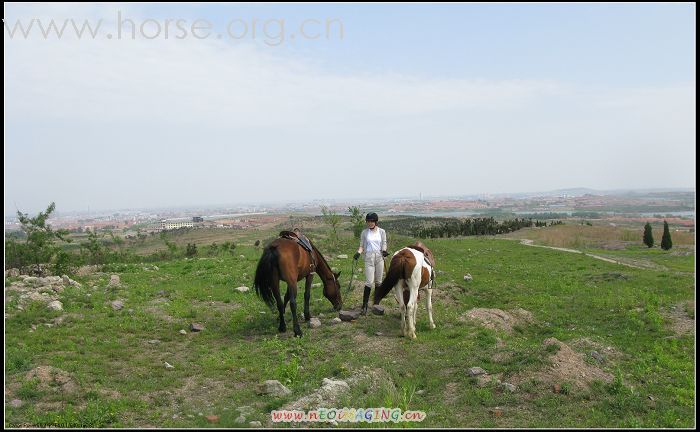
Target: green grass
x,y
122,380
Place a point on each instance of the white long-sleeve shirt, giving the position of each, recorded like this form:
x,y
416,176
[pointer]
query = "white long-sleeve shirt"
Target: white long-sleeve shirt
x,y
372,240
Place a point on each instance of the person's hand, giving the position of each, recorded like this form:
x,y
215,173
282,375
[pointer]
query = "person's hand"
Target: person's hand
x,y
385,254
356,256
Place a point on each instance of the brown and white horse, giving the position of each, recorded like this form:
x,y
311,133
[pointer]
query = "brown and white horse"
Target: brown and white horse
x,y
411,269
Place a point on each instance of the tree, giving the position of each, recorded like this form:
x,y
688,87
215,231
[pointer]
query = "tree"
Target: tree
x,y
95,248
648,237
331,218
358,222
40,247
191,250
666,242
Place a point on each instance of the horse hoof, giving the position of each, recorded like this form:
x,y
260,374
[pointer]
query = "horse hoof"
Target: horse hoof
x,y
432,326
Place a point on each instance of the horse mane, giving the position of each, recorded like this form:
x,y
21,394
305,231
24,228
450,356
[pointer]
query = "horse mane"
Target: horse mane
x,y
320,255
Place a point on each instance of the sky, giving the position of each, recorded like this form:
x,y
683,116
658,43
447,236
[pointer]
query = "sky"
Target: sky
x,y
259,103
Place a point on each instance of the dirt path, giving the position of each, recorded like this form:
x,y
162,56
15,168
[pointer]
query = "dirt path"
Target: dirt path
x,y
528,242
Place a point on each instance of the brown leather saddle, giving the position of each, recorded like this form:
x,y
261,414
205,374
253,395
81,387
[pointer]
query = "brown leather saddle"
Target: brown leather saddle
x,y
302,241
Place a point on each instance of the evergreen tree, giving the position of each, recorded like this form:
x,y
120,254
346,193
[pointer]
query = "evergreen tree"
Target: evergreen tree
x,y
666,242
648,237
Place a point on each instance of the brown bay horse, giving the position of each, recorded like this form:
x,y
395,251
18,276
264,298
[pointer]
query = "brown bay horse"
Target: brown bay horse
x,y
286,260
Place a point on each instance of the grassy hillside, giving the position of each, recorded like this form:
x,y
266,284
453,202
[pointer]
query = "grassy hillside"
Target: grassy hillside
x,y
109,371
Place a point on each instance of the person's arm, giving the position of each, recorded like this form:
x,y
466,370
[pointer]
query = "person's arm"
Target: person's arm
x,y
384,245
363,237
362,244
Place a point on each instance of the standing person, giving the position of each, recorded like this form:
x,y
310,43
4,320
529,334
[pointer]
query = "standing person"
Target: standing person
x,y
373,245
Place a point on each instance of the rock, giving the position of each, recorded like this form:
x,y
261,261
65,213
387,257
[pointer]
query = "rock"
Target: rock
x,y
57,288
245,410
13,272
336,320
274,388
241,256
379,334
154,341
468,277
315,323
508,387
348,315
255,424
241,419
378,310
420,392
16,403
332,388
476,371
242,289
556,388
196,327
117,305
212,418
55,305
183,332
114,281
343,256
66,280
169,366
596,355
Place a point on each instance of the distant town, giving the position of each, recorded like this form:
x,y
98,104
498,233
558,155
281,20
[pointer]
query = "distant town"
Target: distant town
x,y
677,205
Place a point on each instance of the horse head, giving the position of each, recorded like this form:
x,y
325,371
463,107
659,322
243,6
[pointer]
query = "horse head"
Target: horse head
x,y
331,290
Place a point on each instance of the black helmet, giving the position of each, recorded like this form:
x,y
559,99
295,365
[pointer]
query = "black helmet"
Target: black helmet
x,y
372,217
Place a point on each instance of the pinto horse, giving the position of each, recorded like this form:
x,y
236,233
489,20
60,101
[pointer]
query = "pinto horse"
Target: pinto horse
x,y
284,259
411,269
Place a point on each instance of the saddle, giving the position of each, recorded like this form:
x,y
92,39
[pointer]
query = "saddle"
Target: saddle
x,y
302,241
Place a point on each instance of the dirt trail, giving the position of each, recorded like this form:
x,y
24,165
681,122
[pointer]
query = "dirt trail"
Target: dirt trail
x,y
528,242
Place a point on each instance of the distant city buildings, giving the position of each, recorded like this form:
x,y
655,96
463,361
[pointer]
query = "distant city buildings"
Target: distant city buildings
x,y
166,225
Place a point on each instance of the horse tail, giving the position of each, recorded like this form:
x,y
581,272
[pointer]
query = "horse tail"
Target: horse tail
x,y
398,269
263,275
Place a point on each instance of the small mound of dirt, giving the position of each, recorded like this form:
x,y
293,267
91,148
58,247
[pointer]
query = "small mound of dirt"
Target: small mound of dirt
x,y
52,379
497,319
567,366
682,317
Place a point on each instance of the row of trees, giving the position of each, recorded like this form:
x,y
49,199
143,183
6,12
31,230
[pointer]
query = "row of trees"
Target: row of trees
x,y
471,227
648,238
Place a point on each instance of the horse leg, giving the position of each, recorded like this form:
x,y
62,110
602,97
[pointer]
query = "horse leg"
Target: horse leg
x,y
307,297
412,308
292,291
399,295
280,306
429,305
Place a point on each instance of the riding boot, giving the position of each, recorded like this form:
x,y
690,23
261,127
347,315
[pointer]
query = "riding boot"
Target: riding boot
x,y
365,300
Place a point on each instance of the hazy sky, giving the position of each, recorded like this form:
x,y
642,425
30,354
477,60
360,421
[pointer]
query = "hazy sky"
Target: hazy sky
x,y
438,99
